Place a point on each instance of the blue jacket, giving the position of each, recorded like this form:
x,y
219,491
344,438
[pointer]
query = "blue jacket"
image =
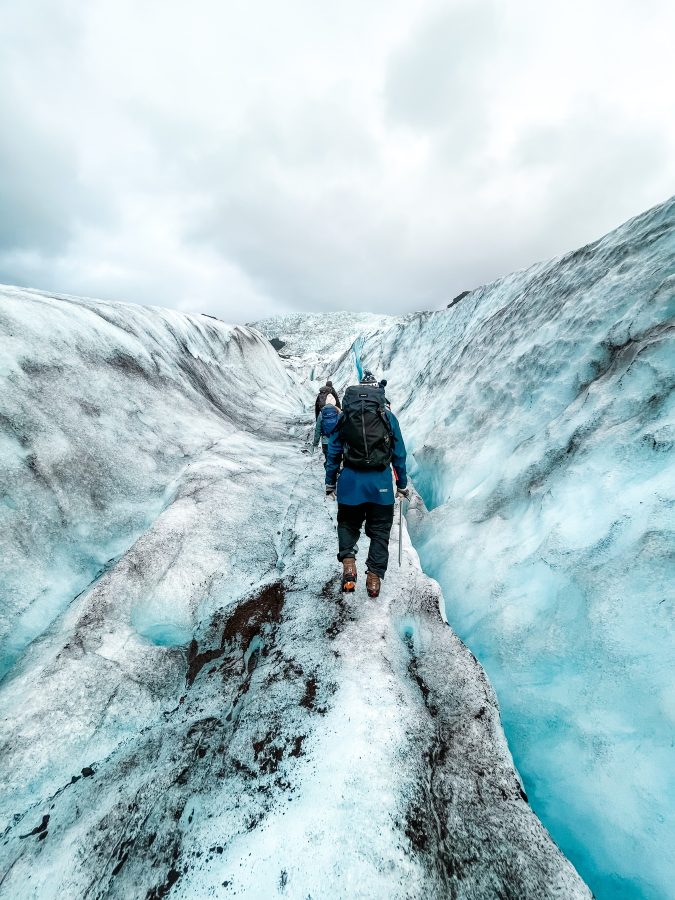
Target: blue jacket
x,y
356,486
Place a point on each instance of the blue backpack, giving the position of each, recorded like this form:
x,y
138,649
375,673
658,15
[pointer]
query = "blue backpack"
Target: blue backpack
x,y
329,418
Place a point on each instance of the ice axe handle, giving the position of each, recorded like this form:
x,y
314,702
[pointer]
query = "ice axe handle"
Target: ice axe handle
x,y
400,531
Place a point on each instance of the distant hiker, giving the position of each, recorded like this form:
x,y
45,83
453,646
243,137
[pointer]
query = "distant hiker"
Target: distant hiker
x,y
326,391
325,424
368,441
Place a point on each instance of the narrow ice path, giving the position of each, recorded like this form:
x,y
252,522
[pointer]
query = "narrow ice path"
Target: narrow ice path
x,y
347,814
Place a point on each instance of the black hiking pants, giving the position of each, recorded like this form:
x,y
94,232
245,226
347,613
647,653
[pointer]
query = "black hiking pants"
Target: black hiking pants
x,y
379,518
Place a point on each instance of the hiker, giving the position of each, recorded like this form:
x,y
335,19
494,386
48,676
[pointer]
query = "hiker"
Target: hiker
x,y
326,391
368,441
325,425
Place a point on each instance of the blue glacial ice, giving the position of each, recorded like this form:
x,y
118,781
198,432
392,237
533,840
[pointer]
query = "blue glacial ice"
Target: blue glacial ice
x,y
541,417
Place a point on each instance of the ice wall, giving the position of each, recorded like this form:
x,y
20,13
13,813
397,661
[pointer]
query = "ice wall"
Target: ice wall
x,y
102,406
541,417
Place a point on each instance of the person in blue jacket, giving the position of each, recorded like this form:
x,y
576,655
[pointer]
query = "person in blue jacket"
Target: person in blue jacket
x,y
366,495
325,424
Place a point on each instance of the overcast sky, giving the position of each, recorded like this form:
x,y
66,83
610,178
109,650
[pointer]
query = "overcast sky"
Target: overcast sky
x,y
243,158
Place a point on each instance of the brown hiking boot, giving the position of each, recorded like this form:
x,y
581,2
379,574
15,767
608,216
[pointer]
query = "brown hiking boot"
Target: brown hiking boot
x,y
349,575
373,584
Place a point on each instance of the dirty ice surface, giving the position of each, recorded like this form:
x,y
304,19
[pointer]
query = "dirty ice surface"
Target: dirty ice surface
x,y
541,418
190,707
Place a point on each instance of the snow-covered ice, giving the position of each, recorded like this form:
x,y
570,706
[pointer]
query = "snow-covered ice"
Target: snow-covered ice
x,y
190,705
313,345
327,335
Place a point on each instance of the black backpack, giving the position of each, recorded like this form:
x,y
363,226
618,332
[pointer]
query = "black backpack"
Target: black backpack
x,y
321,398
366,433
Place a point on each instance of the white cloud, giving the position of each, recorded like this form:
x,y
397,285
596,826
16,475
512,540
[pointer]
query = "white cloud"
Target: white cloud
x,y
239,158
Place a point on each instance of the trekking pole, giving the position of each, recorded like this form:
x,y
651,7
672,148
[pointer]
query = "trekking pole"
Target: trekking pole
x,y
400,531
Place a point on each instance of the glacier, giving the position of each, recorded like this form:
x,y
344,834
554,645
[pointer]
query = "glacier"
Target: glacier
x,y
190,707
540,414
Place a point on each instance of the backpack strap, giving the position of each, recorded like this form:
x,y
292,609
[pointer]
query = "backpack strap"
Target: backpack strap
x,y
385,418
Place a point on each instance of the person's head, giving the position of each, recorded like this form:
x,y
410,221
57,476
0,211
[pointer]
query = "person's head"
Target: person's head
x,y
383,382
368,378
329,384
330,400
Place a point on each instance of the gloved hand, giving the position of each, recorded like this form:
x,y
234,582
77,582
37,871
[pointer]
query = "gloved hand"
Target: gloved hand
x,y
402,493
330,491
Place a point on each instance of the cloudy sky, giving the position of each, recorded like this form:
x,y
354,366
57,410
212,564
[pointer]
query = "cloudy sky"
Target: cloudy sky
x,y
242,158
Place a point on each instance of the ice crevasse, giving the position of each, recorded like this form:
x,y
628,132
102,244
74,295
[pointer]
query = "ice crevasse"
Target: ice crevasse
x,y
541,418
190,707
